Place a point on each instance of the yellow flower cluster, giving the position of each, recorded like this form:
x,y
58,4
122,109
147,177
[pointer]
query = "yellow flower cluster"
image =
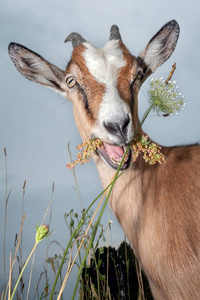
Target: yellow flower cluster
x,y
87,149
142,144
151,151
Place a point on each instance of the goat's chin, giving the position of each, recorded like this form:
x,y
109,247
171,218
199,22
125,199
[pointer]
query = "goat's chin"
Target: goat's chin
x,y
112,155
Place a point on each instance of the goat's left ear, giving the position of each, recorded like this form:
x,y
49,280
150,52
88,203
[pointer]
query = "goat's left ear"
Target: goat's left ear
x,y
161,46
35,68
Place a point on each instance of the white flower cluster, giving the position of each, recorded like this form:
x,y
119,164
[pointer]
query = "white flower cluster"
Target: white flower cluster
x,y
165,98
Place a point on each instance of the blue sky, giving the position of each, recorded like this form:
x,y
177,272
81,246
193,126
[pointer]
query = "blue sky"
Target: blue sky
x,y
36,124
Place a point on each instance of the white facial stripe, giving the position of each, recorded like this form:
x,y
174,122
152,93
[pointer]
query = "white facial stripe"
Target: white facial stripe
x,y
104,64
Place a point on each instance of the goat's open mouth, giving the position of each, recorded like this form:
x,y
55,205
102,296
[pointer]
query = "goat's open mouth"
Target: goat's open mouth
x,y
113,155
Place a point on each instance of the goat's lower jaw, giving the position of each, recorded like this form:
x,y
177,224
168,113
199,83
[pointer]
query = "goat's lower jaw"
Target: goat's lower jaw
x,y
112,155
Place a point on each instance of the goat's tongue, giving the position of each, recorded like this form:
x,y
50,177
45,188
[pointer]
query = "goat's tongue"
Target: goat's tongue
x,y
114,152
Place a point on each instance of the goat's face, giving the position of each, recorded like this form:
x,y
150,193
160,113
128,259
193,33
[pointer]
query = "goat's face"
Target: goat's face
x,y
102,84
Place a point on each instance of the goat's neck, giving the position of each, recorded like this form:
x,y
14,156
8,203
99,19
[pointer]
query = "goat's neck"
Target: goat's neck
x,y
152,207
135,198
126,197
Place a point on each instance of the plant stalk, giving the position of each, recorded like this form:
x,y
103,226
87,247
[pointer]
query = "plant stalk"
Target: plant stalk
x,y
70,268
22,270
144,118
111,185
4,239
71,239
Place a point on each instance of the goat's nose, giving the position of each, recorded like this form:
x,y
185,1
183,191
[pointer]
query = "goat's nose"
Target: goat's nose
x,y
118,128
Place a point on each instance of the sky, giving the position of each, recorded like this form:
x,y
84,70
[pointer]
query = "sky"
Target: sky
x,y
36,124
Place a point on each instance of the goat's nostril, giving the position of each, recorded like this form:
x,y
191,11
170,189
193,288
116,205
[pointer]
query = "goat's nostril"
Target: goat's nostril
x,y
118,128
125,123
112,127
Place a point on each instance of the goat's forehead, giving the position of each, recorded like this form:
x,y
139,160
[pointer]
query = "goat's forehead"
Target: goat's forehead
x,y
101,63
104,62
111,50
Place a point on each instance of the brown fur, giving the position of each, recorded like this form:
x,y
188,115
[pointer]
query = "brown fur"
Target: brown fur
x,y
158,208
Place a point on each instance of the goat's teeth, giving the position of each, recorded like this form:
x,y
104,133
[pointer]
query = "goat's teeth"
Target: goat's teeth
x,y
113,160
118,162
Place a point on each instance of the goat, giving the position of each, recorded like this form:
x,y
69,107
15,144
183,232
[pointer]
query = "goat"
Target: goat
x,y
157,206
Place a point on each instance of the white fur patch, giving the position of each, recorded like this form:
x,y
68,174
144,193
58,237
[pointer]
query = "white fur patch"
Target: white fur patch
x,y
104,64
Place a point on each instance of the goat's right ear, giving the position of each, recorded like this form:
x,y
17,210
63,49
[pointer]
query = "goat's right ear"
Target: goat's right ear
x,y
161,46
35,68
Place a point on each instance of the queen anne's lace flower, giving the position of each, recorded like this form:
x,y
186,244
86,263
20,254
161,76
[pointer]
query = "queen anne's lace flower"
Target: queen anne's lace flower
x,y
164,97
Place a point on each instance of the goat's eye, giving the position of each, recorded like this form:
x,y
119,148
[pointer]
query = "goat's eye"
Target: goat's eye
x,y
139,74
70,82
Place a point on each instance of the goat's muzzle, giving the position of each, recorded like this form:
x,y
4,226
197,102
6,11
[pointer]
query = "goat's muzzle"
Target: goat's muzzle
x,y
112,155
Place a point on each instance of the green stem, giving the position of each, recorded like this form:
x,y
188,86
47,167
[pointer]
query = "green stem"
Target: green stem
x,y
144,117
89,246
71,239
6,204
22,270
98,222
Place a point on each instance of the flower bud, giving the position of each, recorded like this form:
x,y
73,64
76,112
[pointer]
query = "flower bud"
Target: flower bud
x,y
41,232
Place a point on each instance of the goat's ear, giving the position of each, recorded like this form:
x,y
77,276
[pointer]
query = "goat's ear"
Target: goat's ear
x,y
160,47
35,68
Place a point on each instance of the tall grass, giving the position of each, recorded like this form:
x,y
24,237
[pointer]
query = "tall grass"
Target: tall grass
x,y
14,288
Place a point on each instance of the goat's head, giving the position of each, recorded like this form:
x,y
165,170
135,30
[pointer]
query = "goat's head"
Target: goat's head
x,y
102,84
